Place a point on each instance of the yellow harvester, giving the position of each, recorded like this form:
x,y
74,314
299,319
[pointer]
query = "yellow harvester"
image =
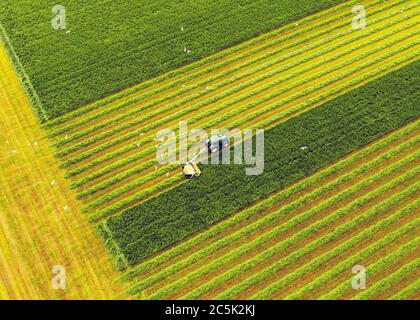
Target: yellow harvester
x,y
191,170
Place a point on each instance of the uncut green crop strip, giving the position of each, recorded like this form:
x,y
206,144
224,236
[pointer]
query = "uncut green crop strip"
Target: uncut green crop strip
x,y
303,241
328,131
114,44
108,147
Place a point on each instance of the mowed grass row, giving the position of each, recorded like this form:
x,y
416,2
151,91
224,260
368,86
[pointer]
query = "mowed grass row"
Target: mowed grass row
x,y
179,76
381,287
260,260
329,131
276,216
324,264
375,270
412,291
130,40
301,189
108,203
242,56
326,256
121,159
95,138
98,138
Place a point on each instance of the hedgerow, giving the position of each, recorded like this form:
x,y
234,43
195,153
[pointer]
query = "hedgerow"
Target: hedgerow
x,y
328,132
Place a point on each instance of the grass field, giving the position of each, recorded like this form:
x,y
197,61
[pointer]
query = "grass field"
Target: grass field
x,y
108,148
110,46
302,241
40,221
328,132
340,109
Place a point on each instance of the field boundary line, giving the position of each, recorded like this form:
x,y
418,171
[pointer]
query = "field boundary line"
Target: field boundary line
x,y
23,76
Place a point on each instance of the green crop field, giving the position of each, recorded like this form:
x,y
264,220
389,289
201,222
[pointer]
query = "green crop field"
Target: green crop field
x,y
328,132
88,87
108,148
112,46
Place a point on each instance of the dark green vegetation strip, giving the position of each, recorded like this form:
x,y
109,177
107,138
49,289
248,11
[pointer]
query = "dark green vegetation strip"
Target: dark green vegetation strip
x,y
111,45
329,132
